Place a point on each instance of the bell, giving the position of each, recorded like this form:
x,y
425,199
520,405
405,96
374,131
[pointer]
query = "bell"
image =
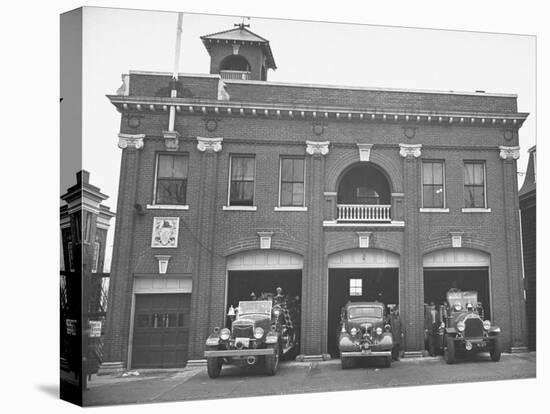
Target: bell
x,y
231,311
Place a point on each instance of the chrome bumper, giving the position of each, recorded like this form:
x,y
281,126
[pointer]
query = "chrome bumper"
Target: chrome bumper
x,y
366,353
239,352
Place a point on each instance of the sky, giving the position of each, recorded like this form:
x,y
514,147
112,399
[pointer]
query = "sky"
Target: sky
x,y
30,52
116,41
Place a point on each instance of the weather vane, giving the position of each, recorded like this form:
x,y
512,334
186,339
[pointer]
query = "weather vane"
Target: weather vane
x,y
242,25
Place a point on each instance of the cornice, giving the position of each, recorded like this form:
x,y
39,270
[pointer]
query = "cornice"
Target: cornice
x,y
301,112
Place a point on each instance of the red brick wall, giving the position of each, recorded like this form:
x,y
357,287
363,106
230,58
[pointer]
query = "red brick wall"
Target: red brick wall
x,y
529,233
233,231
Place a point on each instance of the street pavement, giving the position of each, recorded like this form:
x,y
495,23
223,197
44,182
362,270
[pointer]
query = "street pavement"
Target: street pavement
x,y
300,377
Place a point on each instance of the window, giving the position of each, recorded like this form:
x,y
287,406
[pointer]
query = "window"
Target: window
x,y
77,220
292,182
474,184
95,260
241,187
433,184
70,254
356,287
171,183
88,226
365,312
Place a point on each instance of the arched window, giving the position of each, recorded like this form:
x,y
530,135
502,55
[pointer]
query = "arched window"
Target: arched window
x,y
364,184
235,62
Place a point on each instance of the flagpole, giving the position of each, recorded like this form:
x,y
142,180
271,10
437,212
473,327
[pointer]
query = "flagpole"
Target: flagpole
x,y
174,92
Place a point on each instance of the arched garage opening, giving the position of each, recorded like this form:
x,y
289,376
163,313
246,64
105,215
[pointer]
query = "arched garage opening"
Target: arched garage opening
x,y
359,275
461,268
261,272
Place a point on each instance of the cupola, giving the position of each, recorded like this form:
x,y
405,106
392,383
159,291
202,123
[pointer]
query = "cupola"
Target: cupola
x,y
239,54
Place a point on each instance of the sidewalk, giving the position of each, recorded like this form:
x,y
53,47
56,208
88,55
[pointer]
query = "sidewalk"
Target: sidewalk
x,y
186,373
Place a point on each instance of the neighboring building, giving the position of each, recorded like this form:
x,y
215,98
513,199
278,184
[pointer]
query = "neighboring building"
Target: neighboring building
x,y
333,193
84,223
528,207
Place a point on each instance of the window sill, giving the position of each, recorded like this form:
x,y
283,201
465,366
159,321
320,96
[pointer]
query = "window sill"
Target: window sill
x,y
240,208
476,210
167,207
289,208
433,210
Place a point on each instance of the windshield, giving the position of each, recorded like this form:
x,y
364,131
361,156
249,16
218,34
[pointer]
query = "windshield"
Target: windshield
x,y
462,299
257,306
365,312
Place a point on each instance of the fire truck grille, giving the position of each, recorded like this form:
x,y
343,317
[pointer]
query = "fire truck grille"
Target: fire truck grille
x,y
473,328
242,331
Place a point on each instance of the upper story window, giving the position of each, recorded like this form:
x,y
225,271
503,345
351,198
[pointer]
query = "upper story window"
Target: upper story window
x,y
95,259
356,287
292,182
77,226
171,181
433,184
474,184
241,185
87,226
71,257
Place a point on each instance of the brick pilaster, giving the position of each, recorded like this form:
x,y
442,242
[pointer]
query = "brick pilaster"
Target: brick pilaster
x,y
411,279
315,269
121,279
201,298
517,314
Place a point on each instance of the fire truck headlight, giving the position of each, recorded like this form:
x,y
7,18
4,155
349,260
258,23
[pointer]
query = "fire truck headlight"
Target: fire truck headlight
x,y
225,334
258,332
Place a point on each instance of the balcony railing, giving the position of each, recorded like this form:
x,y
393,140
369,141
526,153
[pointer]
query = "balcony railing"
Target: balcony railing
x,y
364,212
235,74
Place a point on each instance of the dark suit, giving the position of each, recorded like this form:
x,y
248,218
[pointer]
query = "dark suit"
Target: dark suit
x,y
431,325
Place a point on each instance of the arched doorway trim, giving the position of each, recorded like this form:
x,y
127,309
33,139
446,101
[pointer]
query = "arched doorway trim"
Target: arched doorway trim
x,y
363,258
456,257
264,260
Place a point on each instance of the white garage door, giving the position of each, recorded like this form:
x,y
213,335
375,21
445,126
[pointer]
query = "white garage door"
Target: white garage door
x,y
363,258
265,260
457,257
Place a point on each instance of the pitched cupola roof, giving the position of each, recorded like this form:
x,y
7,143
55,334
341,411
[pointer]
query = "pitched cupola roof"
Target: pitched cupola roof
x,y
240,35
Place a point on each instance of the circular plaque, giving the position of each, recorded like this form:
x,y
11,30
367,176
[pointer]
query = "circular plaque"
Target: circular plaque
x,y
211,125
133,122
318,129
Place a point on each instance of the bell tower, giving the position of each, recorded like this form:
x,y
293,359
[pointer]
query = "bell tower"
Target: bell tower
x,y
239,54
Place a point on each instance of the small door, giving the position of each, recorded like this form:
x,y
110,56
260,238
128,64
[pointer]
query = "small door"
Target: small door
x,y
161,330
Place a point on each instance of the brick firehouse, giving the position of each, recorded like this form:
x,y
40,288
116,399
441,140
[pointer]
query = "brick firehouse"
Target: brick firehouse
x,y
232,184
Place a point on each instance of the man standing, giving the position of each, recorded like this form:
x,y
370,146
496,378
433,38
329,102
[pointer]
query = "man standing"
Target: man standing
x,y
431,324
279,298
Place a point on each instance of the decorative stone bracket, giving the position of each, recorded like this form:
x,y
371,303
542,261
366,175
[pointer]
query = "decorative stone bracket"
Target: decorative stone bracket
x,y
364,151
509,153
130,141
171,140
209,144
365,239
163,263
317,147
456,238
410,150
265,239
